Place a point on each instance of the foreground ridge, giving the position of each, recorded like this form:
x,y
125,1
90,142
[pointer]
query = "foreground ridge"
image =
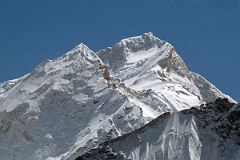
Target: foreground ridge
x,y
207,132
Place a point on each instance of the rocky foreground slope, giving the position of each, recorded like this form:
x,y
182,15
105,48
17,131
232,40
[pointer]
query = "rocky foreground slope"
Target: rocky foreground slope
x,y
207,132
69,105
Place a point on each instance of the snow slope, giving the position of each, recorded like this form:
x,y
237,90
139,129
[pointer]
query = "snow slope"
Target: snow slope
x,y
68,105
209,132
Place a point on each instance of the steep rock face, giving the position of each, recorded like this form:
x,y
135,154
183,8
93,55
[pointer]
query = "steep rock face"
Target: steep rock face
x,y
207,132
69,105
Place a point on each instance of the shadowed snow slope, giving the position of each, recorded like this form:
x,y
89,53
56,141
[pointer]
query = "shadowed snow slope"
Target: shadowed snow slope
x,y
69,105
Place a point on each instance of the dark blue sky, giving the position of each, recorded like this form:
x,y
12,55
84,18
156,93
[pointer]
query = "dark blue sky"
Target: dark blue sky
x,y
206,33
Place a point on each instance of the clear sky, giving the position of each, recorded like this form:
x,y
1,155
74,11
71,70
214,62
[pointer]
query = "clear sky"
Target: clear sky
x,y
206,33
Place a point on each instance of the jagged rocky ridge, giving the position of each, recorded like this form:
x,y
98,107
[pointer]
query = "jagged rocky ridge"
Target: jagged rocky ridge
x,y
211,131
69,105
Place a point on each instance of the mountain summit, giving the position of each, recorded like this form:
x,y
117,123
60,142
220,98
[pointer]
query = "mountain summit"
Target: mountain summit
x,y
146,62
69,105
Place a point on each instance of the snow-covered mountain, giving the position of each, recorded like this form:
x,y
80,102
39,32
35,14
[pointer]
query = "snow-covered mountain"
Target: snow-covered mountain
x,y
208,132
68,105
